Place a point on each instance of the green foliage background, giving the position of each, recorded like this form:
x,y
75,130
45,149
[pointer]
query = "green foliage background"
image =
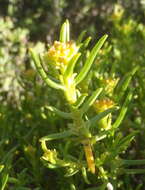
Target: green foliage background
x,y
23,96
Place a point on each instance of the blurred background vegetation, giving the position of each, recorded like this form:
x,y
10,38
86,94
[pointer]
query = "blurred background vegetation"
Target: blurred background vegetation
x,y
23,117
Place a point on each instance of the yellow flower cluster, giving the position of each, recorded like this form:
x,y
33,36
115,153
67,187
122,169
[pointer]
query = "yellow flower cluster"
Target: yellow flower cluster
x,y
102,105
61,53
110,84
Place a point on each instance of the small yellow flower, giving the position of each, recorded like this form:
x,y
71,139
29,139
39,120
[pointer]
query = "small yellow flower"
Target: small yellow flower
x,y
61,53
118,12
102,105
110,84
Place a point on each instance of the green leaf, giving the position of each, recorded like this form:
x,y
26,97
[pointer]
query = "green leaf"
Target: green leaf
x,y
99,137
62,37
123,143
126,140
133,162
1,167
84,174
42,73
124,83
91,100
64,32
84,45
59,113
9,154
55,136
67,31
70,68
81,36
72,187
4,181
134,171
102,135
14,180
80,100
90,60
49,165
123,111
86,42
139,186
71,172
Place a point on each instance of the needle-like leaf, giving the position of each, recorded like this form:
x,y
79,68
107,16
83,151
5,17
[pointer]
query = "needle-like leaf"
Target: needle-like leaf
x,y
64,32
80,100
58,112
134,171
90,60
1,167
124,83
71,65
91,100
133,162
4,181
86,42
55,136
84,174
123,111
81,36
67,31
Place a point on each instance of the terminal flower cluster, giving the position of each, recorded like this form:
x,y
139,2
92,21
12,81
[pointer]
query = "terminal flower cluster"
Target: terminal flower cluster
x,y
60,53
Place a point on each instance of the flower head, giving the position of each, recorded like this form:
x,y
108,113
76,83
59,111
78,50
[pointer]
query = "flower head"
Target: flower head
x,y
110,84
60,54
104,104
